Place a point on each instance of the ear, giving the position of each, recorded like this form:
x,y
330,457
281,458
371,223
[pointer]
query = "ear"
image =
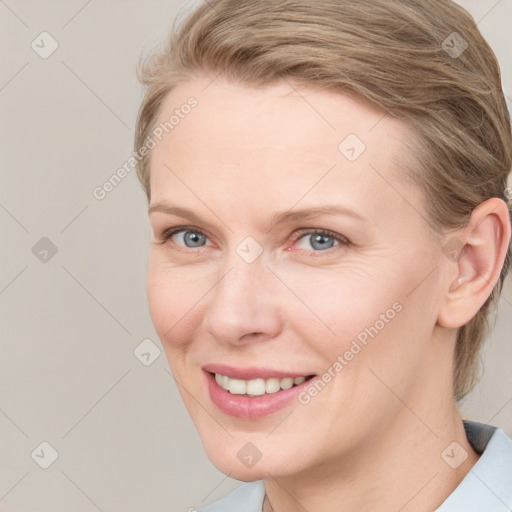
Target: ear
x,y
474,257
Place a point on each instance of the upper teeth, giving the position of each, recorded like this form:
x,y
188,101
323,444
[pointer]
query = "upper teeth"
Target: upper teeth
x,y
256,387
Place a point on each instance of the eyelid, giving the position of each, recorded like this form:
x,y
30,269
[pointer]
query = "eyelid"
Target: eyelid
x,y
342,241
168,233
320,231
297,235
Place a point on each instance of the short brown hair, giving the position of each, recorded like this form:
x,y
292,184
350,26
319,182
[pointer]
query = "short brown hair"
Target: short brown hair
x,y
423,61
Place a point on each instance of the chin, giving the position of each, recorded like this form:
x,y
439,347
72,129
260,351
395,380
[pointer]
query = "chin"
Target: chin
x,y
248,461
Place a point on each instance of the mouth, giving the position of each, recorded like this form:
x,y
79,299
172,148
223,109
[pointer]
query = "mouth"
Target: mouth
x,y
259,394
258,386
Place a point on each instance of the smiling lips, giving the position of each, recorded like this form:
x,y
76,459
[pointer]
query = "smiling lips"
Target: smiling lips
x,y
252,393
256,387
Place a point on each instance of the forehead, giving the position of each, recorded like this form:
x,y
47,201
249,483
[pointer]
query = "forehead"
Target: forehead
x,y
284,113
283,135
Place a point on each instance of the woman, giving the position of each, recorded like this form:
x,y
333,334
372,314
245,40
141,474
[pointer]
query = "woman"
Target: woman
x,y
326,184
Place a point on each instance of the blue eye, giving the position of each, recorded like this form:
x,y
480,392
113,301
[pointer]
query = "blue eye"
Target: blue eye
x,y
193,239
321,240
189,238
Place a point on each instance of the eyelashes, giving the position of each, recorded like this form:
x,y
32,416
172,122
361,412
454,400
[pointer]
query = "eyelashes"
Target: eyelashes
x,y
323,233
313,233
169,233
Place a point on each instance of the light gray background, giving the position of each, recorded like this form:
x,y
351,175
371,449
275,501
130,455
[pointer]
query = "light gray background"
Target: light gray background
x,y
69,326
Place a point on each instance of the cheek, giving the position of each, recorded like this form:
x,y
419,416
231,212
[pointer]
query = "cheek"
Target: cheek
x,y
383,345
340,307
161,297
173,296
356,323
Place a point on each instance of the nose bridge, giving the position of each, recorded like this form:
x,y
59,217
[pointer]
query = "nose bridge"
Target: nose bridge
x,y
243,301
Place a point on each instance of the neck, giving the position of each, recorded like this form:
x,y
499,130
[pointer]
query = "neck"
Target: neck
x,y
401,468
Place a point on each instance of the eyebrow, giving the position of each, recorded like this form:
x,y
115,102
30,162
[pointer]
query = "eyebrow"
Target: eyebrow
x,y
278,218
316,211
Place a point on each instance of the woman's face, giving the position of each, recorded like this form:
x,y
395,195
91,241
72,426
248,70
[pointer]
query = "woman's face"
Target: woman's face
x,y
253,288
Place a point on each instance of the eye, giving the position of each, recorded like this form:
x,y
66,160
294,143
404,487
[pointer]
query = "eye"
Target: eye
x,y
320,239
185,236
312,240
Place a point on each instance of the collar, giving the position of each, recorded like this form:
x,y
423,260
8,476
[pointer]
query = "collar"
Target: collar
x,y
488,485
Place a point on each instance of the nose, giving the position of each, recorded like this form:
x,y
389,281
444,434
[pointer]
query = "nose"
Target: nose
x,y
244,305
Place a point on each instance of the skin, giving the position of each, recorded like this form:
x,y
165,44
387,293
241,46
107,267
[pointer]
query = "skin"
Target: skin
x,y
372,439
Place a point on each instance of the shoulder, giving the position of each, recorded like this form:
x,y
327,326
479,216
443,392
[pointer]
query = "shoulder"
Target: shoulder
x,y
488,486
246,498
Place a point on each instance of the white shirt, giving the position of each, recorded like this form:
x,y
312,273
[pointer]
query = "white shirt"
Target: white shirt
x,y
486,488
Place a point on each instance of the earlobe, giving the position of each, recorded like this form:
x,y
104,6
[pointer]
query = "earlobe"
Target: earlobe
x,y
474,259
